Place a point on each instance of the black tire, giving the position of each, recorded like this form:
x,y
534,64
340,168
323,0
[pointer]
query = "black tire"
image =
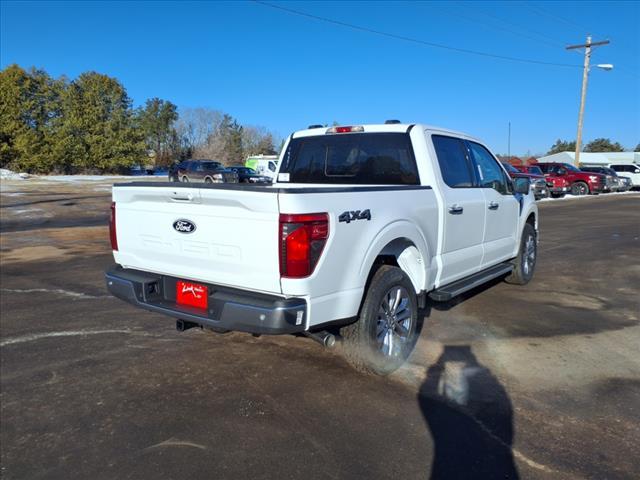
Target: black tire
x,y
361,346
579,188
208,180
185,179
524,264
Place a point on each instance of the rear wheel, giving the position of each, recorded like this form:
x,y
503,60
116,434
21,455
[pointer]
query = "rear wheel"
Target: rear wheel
x,y
185,179
385,333
525,263
208,180
579,188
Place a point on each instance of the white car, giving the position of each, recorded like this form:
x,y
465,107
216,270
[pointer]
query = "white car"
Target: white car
x,y
629,170
362,224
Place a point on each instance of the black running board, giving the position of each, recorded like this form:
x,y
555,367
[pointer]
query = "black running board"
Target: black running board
x,y
454,289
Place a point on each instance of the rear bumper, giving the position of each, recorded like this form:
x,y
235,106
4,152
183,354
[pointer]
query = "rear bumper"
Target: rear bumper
x,y
229,309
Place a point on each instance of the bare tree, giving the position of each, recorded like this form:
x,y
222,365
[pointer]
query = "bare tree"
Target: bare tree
x,y
196,125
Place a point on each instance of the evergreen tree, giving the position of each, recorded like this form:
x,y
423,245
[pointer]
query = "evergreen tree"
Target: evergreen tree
x,y
30,111
603,145
562,146
98,129
157,119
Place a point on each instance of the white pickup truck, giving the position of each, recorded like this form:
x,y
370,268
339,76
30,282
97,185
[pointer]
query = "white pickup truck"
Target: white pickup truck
x,y
362,224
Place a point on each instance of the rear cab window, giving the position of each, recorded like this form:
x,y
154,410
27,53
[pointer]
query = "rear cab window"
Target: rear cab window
x,y
351,158
453,161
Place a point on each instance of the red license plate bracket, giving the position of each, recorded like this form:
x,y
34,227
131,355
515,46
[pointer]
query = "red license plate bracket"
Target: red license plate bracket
x,y
192,294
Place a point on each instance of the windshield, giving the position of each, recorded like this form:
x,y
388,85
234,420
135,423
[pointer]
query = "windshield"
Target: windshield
x,y
570,167
535,170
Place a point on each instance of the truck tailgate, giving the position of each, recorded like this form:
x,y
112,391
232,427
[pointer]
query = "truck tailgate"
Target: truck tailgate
x,y
234,241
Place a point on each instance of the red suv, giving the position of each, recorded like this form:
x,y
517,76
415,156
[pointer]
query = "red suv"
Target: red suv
x,y
558,186
582,183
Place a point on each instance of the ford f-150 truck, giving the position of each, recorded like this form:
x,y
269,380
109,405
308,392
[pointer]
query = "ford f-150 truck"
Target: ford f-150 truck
x,y
361,225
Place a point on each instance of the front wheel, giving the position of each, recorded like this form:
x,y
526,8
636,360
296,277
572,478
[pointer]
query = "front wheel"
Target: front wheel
x,y
525,263
579,188
185,179
385,333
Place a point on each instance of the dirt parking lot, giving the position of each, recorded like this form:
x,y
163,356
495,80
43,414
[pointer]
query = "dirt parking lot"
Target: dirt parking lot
x,y
535,382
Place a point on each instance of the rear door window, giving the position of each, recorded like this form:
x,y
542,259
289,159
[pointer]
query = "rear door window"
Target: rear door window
x,y
453,161
352,158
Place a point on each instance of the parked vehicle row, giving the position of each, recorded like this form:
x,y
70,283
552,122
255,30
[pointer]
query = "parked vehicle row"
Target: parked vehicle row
x,y
546,179
558,186
538,182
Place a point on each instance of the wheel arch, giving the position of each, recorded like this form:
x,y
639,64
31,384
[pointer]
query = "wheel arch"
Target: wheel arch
x,y
400,244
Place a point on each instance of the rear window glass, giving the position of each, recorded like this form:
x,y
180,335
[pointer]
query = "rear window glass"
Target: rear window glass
x,y
353,158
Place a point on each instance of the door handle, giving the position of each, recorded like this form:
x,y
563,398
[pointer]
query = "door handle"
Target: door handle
x,y
455,210
180,197
493,205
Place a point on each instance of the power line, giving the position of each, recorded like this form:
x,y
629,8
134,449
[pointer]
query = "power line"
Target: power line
x,y
409,39
519,30
541,11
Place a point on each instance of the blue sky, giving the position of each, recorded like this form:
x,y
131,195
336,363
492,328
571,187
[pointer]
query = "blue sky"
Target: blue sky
x,y
272,68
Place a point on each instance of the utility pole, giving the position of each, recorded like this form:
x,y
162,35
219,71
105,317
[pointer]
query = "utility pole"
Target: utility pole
x,y
509,144
585,76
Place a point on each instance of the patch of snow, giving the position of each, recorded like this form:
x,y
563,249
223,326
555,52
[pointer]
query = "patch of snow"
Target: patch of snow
x,y
85,178
6,174
578,197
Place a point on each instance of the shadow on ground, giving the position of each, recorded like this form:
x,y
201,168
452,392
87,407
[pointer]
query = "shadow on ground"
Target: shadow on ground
x,y
470,418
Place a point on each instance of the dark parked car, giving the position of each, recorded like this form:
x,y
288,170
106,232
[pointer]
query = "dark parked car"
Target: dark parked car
x,y
207,171
614,183
249,175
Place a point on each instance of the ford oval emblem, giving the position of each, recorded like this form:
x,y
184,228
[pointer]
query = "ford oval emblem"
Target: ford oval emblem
x,y
184,226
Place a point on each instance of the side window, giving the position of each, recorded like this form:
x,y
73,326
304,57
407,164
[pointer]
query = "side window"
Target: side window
x,y
488,172
272,166
455,168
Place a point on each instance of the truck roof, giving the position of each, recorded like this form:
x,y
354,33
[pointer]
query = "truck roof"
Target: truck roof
x,y
384,128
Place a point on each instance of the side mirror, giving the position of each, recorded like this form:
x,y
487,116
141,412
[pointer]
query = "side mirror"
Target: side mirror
x,y
562,171
521,185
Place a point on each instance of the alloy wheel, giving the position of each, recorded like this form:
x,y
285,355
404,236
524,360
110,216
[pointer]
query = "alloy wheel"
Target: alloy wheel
x,y
529,257
394,322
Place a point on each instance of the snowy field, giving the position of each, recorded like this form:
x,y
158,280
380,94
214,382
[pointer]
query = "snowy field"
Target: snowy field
x,y
11,183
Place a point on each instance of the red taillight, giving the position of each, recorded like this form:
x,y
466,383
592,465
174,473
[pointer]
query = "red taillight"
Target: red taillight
x,y
302,239
112,227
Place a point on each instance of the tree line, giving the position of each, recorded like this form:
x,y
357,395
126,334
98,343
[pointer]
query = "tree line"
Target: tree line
x,y
597,145
89,124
